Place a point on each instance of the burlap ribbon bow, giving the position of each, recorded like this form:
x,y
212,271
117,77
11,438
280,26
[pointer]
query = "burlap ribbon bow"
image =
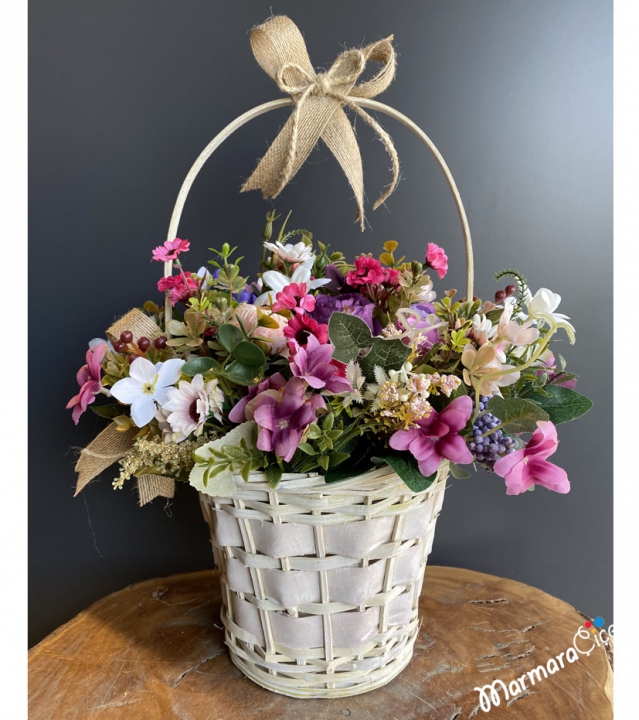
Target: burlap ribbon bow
x,y
280,50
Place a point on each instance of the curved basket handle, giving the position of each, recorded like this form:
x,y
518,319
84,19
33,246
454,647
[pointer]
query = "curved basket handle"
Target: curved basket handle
x,y
283,102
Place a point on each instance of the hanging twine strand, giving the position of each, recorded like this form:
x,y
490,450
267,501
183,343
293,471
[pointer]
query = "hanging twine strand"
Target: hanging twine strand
x,y
320,98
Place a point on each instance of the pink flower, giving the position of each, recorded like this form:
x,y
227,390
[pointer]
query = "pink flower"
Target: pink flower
x,y
437,437
283,415
243,409
170,250
300,327
179,289
555,374
437,259
313,364
368,271
89,381
525,467
391,277
294,297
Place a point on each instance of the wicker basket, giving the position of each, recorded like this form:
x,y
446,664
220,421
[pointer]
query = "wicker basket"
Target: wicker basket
x,y
321,583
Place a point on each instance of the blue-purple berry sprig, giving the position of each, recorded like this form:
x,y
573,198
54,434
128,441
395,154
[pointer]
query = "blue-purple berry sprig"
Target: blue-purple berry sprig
x,y
487,450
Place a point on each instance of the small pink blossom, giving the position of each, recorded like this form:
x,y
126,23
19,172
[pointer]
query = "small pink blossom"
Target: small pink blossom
x,y
295,298
437,437
170,250
368,271
525,467
180,290
312,363
88,378
437,259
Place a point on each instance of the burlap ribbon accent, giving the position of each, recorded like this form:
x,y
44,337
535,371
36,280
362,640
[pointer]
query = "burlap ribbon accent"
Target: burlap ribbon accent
x,y
152,486
108,447
280,50
140,324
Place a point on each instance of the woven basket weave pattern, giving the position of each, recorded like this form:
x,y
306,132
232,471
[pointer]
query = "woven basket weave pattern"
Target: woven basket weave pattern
x,y
320,582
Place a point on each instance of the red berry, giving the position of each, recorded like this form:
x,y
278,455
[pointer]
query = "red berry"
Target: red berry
x,y
510,290
144,344
132,358
500,296
126,337
119,346
160,342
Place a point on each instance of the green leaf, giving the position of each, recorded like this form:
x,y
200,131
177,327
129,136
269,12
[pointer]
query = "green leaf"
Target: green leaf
x,y
516,415
387,354
199,366
108,411
348,333
229,336
564,404
458,472
345,474
273,474
243,374
307,448
248,354
406,467
337,458
322,461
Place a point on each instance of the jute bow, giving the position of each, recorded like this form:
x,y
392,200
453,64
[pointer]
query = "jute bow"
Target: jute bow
x,y
320,98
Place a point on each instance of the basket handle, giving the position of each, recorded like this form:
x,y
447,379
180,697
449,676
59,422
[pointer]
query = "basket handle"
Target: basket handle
x,y
283,102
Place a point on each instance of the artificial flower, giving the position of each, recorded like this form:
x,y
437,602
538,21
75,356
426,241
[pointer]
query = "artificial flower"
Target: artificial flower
x,y
513,332
277,281
437,437
171,250
88,378
368,271
283,415
191,404
180,287
486,361
529,466
146,386
426,293
273,337
437,259
549,364
243,409
352,303
542,306
313,364
298,253
300,327
294,298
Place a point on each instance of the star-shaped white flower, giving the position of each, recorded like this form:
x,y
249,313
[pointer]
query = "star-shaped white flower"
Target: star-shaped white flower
x,y
147,385
278,281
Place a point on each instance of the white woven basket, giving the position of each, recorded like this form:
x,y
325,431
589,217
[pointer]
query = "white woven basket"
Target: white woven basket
x,y
321,582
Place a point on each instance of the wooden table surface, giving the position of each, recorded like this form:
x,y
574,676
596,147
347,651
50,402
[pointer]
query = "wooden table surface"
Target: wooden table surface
x,y
156,650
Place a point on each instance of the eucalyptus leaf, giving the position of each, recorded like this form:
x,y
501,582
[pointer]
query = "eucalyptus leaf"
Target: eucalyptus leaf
x,y
229,336
563,404
348,334
458,472
406,467
516,414
248,354
387,354
242,374
199,366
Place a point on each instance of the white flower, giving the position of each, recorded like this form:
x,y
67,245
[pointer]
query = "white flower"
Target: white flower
x,y
168,436
298,253
206,276
191,403
426,294
278,281
482,328
147,385
542,306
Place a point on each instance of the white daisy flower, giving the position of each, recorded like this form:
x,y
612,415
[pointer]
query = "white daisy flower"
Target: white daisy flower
x,y
189,405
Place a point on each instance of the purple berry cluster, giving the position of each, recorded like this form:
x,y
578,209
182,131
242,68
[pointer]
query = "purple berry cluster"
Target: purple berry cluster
x,y
487,450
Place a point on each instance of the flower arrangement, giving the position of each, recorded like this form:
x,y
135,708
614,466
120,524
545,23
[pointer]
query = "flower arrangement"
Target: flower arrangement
x,y
323,366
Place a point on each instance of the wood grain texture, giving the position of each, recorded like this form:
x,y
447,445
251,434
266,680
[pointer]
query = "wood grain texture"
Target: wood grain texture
x,y
155,650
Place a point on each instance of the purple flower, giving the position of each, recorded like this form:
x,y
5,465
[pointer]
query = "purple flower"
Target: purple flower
x,y
354,303
282,417
424,310
313,364
243,410
337,280
437,437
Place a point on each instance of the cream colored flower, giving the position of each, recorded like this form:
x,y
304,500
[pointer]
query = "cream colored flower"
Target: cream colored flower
x,y
486,361
273,337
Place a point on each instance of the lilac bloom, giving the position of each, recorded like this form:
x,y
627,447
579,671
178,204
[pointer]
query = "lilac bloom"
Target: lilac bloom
x,y
337,280
424,310
353,303
243,410
282,417
437,437
313,364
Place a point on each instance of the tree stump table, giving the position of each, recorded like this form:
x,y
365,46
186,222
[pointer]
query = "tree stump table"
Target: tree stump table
x,y
156,650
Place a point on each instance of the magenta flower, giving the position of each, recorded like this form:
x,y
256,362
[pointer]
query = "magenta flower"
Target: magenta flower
x,y
170,250
180,290
437,259
89,381
295,298
313,364
525,467
437,437
243,409
368,271
283,415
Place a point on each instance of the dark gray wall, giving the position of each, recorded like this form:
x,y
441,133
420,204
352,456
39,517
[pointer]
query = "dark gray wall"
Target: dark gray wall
x,y
124,95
